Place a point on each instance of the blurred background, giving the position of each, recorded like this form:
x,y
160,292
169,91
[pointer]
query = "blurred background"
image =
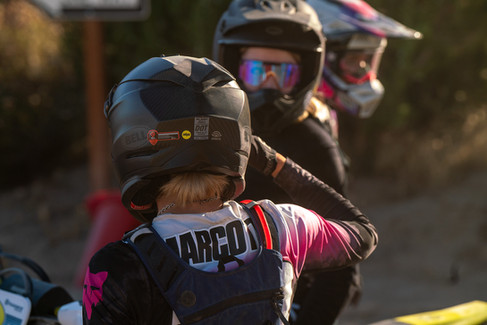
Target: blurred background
x,y
429,127
426,143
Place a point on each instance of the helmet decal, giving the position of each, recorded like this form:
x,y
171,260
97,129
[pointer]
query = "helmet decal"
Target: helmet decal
x,y
216,135
154,137
136,137
201,127
186,134
360,8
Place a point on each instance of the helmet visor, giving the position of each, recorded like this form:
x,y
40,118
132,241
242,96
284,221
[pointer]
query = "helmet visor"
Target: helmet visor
x,y
254,73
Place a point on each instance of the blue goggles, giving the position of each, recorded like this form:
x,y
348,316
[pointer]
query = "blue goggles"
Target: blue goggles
x,y
255,72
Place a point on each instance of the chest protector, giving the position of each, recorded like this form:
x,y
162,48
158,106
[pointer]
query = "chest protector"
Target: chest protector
x,y
250,294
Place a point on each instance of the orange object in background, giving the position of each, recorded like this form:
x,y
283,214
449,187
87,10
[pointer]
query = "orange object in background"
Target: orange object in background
x,y
110,221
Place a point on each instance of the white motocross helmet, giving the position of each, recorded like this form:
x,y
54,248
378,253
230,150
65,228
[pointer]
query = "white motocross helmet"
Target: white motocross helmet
x,y
356,38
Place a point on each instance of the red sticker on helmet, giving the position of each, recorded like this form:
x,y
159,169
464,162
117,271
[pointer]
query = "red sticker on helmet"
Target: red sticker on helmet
x,y
154,136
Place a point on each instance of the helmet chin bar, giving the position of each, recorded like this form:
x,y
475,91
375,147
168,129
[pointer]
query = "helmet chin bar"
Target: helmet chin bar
x,y
357,100
271,111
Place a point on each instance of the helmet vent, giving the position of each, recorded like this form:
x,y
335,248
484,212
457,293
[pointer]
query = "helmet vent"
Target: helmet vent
x,y
274,30
282,6
158,100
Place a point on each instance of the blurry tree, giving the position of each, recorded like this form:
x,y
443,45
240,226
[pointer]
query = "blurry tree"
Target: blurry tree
x,y
440,74
183,27
41,123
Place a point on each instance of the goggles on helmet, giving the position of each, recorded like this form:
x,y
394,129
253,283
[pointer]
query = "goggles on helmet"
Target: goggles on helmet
x,y
355,66
359,67
255,72
359,61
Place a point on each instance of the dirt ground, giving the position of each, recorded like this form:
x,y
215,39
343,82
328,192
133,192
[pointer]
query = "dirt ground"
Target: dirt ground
x,y
432,252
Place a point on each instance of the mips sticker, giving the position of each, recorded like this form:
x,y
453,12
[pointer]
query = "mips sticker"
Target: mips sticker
x,y
186,134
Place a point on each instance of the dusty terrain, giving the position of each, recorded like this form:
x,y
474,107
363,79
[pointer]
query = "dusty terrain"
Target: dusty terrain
x,y
432,249
432,252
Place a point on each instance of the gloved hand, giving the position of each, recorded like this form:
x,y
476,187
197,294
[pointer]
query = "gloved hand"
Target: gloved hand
x,y
262,157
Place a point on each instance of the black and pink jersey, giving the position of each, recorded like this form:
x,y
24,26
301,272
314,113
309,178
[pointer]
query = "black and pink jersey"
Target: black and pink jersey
x,y
307,241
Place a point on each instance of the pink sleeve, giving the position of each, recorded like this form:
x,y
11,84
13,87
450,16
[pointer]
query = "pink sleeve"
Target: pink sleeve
x,y
309,241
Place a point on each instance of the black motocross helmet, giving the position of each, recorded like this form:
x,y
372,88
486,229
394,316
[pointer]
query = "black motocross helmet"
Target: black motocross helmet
x,y
174,114
290,25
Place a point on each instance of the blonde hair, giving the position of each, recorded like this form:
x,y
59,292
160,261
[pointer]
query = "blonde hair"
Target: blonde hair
x,y
195,187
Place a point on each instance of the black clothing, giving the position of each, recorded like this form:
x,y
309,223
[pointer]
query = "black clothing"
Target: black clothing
x,y
323,295
311,146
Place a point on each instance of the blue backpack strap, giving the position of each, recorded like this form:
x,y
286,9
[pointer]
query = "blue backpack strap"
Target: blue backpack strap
x,y
264,224
161,262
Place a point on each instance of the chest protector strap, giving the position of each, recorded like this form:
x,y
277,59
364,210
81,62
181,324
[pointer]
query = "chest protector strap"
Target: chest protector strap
x,y
267,228
250,294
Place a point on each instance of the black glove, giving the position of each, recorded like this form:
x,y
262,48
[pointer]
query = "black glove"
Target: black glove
x,y
262,157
